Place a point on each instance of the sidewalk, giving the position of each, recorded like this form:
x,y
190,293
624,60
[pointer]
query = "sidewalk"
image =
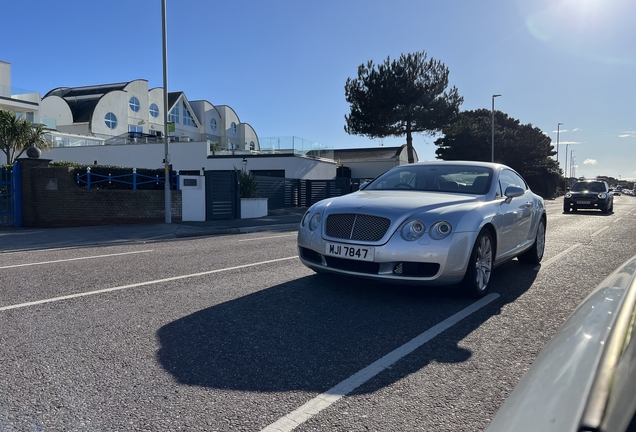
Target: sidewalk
x,y
22,239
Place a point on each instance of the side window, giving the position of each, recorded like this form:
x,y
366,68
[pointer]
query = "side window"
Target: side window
x,y
508,178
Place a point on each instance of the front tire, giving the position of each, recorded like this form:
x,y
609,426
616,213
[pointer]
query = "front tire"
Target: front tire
x,y
480,264
535,253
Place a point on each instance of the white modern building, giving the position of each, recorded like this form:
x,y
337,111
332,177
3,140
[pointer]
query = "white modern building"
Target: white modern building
x,y
123,126
373,161
130,112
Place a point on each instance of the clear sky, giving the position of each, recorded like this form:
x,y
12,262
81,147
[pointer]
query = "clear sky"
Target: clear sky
x,y
282,64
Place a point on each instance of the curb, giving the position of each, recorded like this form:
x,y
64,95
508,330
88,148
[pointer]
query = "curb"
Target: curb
x,y
244,230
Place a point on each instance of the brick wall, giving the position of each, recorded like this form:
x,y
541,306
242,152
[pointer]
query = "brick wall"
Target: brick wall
x,y
51,197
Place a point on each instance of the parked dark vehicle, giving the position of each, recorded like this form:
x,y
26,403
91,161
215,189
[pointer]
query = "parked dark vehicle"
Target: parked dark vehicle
x,y
589,194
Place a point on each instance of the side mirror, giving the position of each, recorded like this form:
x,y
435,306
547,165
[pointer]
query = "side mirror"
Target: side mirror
x,y
514,191
363,185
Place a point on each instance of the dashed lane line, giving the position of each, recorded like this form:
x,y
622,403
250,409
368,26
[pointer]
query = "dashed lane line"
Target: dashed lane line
x,y
599,231
140,284
74,259
334,394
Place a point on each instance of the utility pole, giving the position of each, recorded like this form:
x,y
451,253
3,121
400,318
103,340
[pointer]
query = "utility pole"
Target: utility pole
x,y
168,198
492,147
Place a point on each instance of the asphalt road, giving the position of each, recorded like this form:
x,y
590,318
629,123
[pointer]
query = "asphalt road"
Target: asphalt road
x,y
232,333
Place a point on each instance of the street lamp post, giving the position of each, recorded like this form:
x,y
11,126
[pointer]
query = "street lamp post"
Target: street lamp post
x,y
492,147
565,171
558,131
167,197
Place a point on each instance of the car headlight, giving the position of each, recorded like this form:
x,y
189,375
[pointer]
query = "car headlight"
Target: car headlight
x,y
303,222
568,195
314,223
413,230
440,230
602,195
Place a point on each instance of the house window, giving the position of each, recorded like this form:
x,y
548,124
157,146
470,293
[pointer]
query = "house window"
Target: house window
x,y
213,124
154,110
252,145
134,104
174,114
110,120
233,127
187,117
135,129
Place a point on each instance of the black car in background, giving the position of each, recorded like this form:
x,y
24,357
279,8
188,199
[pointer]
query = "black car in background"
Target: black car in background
x,y
589,194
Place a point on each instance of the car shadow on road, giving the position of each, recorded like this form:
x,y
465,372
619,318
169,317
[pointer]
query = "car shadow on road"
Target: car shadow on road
x,y
311,333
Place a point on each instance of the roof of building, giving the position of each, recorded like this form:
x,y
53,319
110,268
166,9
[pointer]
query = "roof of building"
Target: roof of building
x,y
358,154
83,100
172,98
96,90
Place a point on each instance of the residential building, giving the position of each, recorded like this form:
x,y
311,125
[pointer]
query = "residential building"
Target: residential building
x,y
130,112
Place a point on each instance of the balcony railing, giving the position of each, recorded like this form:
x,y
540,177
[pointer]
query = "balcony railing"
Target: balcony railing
x,y
19,94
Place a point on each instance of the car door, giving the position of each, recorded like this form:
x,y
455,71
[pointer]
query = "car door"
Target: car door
x,y
517,214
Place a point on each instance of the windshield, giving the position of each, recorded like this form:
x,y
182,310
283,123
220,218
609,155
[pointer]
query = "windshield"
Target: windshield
x,y
436,178
589,186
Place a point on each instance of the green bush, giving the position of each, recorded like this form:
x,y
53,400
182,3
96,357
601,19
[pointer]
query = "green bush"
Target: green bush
x,y
248,187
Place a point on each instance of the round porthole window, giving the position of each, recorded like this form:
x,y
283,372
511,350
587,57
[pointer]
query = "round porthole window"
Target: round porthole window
x,y
110,120
154,110
134,104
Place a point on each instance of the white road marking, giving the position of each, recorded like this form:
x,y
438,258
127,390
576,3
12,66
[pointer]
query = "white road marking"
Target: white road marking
x,y
270,237
331,396
616,220
152,282
599,231
557,256
76,259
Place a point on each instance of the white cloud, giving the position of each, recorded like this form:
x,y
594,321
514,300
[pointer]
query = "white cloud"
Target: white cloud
x,y
628,134
576,129
589,161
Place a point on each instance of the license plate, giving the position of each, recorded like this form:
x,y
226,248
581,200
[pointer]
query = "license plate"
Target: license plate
x,y
582,202
365,253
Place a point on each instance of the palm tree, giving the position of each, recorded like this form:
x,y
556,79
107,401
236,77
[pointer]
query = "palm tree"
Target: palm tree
x,y
18,134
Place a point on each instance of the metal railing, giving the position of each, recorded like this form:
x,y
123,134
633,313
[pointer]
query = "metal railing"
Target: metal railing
x,y
91,180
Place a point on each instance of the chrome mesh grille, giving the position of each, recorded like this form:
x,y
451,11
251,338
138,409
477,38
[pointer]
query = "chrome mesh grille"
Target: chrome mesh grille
x,y
354,226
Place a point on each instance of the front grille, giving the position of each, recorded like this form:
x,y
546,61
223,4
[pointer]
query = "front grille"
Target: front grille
x,y
591,199
354,226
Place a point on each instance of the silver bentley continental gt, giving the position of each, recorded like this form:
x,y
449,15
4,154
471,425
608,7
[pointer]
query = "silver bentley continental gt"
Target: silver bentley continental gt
x,y
430,223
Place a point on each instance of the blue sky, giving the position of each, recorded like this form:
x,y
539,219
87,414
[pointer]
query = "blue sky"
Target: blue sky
x,y
282,64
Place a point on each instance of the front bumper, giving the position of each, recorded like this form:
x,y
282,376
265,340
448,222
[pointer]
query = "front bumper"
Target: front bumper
x,y
586,203
423,262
